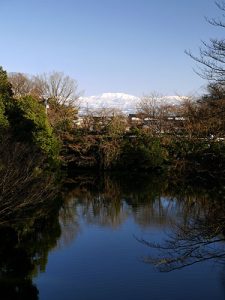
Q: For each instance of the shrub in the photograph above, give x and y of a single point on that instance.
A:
(142, 152)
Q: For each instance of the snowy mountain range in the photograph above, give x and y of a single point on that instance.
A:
(119, 101)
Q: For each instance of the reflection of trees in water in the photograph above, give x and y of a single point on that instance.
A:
(101, 207)
(110, 201)
(158, 212)
(15, 265)
(68, 219)
(195, 216)
(104, 211)
(24, 248)
(104, 207)
(198, 236)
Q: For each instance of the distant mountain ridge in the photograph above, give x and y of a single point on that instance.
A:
(125, 102)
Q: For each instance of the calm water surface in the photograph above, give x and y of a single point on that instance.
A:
(92, 250)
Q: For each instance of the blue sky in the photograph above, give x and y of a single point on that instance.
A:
(131, 46)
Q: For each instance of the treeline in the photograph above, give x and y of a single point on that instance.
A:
(41, 112)
(187, 141)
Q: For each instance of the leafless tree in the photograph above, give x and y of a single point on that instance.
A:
(204, 118)
(61, 95)
(105, 119)
(158, 115)
(58, 87)
(149, 105)
(188, 110)
(22, 85)
(212, 54)
(23, 185)
(53, 86)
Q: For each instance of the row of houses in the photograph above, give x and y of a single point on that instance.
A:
(95, 122)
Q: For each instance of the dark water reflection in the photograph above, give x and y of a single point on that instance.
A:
(24, 247)
(97, 244)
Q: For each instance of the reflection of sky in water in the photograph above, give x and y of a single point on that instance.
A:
(98, 255)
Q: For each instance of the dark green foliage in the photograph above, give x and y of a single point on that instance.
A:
(197, 157)
(24, 248)
(210, 157)
(5, 86)
(29, 123)
(26, 119)
(3, 119)
(5, 96)
(110, 153)
(142, 152)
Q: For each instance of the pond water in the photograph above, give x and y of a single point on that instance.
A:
(96, 246)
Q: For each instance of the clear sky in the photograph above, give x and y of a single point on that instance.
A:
(131, 46)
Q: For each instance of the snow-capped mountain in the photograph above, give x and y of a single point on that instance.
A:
(119, 101)
(124, 102)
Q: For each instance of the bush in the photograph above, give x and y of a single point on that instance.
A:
(142, 152)
(200, 157)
